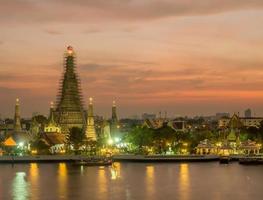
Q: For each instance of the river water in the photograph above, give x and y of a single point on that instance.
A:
(138, 181)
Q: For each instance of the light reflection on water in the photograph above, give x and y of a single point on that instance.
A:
(102, 183)
(62, 180)
(184, 181)
(20, 187)
(115, 171)
(33, 175)
(150, 180)
(133, 181)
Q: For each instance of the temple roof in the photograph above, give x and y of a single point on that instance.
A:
(54, 138)
(9, 142)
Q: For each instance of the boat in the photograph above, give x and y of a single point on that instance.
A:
(103, 162)
(251, 160)
(224, 160)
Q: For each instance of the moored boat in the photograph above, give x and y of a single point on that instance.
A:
(224, 160)
(103, 162)
(253, 160)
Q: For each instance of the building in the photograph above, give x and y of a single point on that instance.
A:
(177, 125)
(248, 113)
(153, 123)
(148, 116)
(52, 135)
(69, 109)
(221, 115)
(90, 125)
(17, 137)
(17, 119)
(52, 126)
(114, 123)
(245, 121)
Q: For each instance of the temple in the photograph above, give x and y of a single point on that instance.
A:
(69, 110)
(17, 120)
(114, 124)
(90, 127)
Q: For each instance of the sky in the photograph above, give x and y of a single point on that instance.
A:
(186, 57)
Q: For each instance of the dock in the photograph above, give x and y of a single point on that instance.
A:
(165, 158)
(42, 158)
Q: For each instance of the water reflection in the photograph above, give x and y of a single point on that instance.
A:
(20, 187)
(33, 173)
(62, 180)
(150, 180)
(102, 183)
(115, 171)
(184, 181)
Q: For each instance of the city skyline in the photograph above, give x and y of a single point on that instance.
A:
(196, 60)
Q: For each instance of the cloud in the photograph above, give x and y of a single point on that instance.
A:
(67, 11)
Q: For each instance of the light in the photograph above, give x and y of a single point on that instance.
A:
(34, 152)
(110, 141)
(21, 144)
(218, 144)
(185, 144)
(90, 100)
(117, 140)
(63, 151)
(70, 50)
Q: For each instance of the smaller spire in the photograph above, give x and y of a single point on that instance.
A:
(70, 50)
(17, 122)
(51, 114)
(90, 128)
(17, 101)
(90, 100)
(51, 104)
(114, 103)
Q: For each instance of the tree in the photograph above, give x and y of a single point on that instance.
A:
(41, 146)
(164, 138)
(76, 138)
(140, 137)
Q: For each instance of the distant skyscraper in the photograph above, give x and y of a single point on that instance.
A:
(90, 129)
(248, 113)
(17, 118)
(69, 110)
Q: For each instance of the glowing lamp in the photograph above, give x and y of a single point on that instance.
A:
(70, 50)
(117, 139)
(21, 144)
(110, 141)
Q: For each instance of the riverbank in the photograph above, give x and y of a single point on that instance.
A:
(165, 158)
(116, 158)
(42, 159)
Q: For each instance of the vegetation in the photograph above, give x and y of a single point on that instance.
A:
(40, 146)
(76, 138)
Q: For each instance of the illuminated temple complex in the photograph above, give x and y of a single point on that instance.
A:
(69, 110)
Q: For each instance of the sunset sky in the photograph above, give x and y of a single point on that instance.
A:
(187, 57)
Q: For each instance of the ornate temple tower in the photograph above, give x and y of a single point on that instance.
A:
(114, 126)
(69, 109)
(90, 126)
(17, 119)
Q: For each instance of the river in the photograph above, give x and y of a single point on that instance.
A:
(131, 181)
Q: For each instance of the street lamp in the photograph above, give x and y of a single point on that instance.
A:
(110, 141)
(21, 144)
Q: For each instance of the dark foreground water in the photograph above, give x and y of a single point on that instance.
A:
(210, 181)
